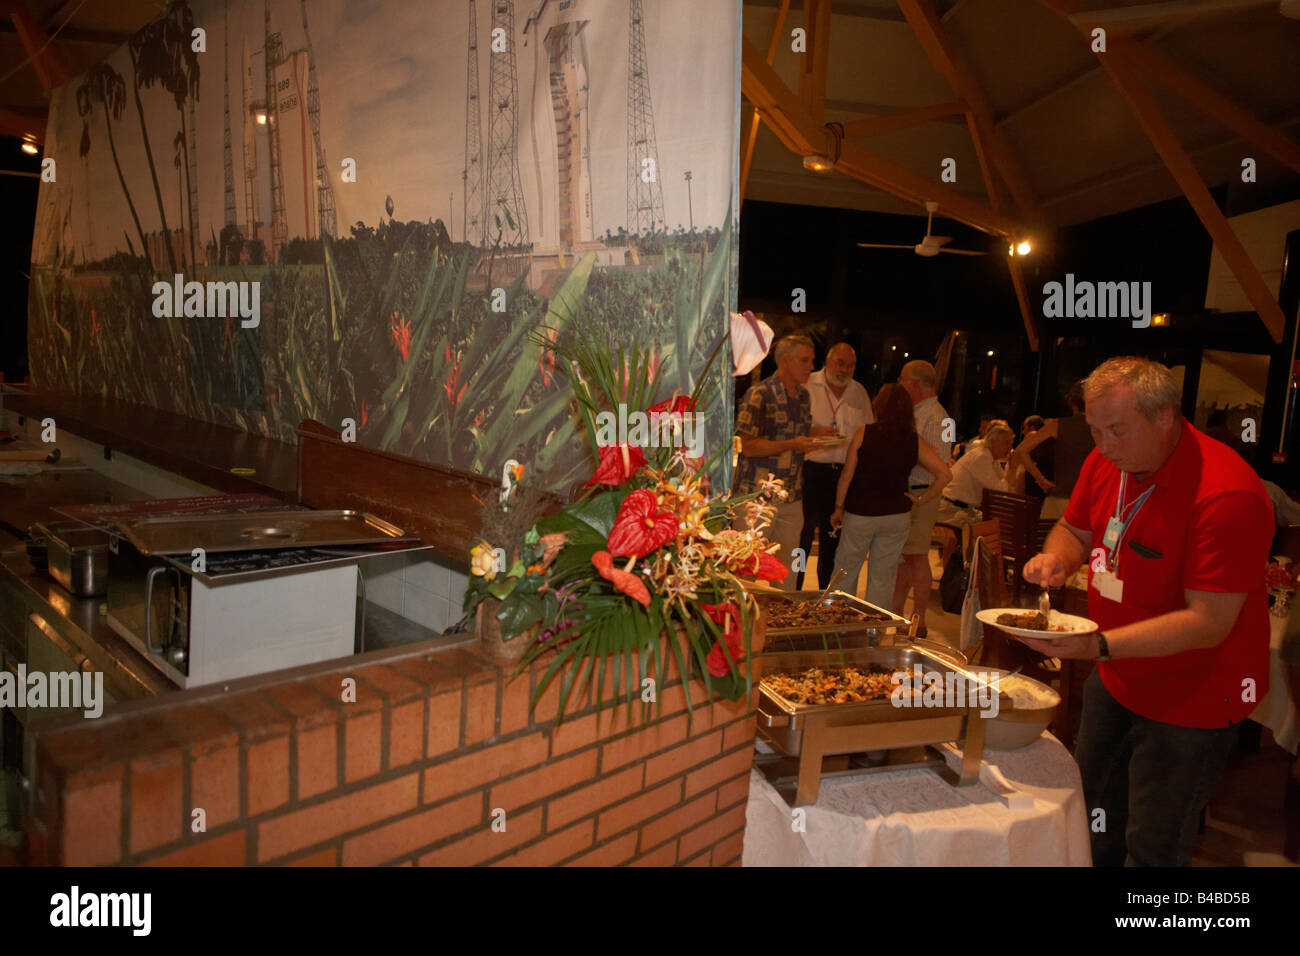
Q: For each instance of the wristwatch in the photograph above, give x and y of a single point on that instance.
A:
(1103, 647)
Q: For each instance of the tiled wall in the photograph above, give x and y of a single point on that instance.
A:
(420, 587)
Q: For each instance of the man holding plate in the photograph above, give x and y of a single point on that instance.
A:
(1175, 529)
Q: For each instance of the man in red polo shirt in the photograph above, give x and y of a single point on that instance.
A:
(1175, 529)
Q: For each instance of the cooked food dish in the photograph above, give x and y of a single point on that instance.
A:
(817, 686)
(811, 614)
(1033, 621)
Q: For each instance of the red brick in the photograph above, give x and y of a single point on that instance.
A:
(683, 818)
(408, 834)
(740, 732)
(701, 859)
(636, 746)
(202, 729)
(91, 745)
(480, 713)
(155, 803)
(301, 828)
(268, 775)
(255, 716)
(485, 843)
(306, 706)
(718, 771)
(225, 850)
(728, 851)
(575, 732)
(326, 857)
(214, 786)
(318, 760)
(444, 724)
(711, 831)
(393, 684)
(406, 733)
(515, 699)
(590, 799)
(733, 791)
(552, 778)
(632, 812)
(666, 855)
(428, 672)
(363, 746)
(611, 854)
(332, 688)
(92, 824)
(468, 663)
(682, 758)
(473, 770)
(554, 848)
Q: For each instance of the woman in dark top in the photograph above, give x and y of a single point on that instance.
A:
(1070, 448)
(872, 504)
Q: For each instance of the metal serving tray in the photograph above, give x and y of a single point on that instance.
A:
(890, 622)
(257, 531)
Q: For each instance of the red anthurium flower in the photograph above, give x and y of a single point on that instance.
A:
(766, 567)
(618, 463)
(680, 403)
(640, 526)
(625, 581)
(728, 615)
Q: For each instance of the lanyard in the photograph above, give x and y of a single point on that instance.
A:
(1125, 522)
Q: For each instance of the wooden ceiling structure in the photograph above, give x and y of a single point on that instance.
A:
(797, 117)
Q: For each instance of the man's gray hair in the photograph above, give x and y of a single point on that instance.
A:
(919, 371)
(787, 343)
(999, 429)
(840, 347)
(1154, 386)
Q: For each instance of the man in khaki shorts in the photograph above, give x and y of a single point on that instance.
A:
(918, 379)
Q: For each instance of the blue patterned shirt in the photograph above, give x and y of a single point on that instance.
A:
(769, 411)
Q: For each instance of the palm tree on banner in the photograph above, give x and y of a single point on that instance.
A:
(104, 86)
(178, 160)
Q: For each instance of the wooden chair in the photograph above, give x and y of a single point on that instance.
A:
(1041, 531)
(1018, 516)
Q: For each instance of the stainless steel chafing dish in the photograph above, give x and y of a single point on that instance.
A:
(876, 622)
(805, 734)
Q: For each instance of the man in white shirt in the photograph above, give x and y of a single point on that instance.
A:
(976, 470)
(918, 378)
(840, 403)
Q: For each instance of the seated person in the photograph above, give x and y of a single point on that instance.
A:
(976, 470)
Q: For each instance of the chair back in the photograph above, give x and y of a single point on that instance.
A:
(1044, 528)
(1018, 517)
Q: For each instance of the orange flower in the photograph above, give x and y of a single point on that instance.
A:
(627, 582)
(547, 362)
(363, 414)
(453, 387)
(401, 332)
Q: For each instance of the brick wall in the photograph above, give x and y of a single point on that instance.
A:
(411, 772)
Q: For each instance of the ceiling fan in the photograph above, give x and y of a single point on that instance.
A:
(930, 245)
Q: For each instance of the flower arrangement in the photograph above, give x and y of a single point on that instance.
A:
(1281, 580)
(645, 552)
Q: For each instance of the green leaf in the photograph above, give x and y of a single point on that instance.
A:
(520, 613)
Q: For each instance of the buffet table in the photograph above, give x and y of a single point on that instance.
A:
(913, 818)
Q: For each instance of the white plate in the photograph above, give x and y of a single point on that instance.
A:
(1078, 626)
(830, 441)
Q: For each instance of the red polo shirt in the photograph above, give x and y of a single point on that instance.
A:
(1207, 526)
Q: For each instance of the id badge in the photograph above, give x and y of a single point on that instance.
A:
(1110, 539)
(1109, 586)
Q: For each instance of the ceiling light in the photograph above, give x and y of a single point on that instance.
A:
(818, 164)
(990, 353)
(29, 147)
(893, 348)
(1024, 248)
(1160, 318)
(904, 355)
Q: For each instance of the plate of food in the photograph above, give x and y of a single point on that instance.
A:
(1023, 623)
(830, 441)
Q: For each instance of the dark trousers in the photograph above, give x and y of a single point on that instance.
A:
(819, 484)
(1152, 780)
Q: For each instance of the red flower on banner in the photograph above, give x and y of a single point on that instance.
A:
(547, 362)
(728, 615)
(363, 414)
(618, 463)
(401, 332)
(453, 387)
(627, 582)
(640, 527)
(766, 567)
(681, 404)
(94, 324)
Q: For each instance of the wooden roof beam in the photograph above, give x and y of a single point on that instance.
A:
(813, 62)
(1123, 71)
(903, 119)
(784, 114)
(1210, 102)
(749, 133)
(22, 123)
(948, 60)
(52, 67)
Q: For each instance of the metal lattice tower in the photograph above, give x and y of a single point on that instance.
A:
(505, 190)
(645, 200)
(250, 151)
(474, 220)
(273, 57)
(324, 188)
(193, 179)
(229, 157)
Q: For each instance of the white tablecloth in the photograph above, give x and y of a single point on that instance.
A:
(1277, 710)
(913, 818)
